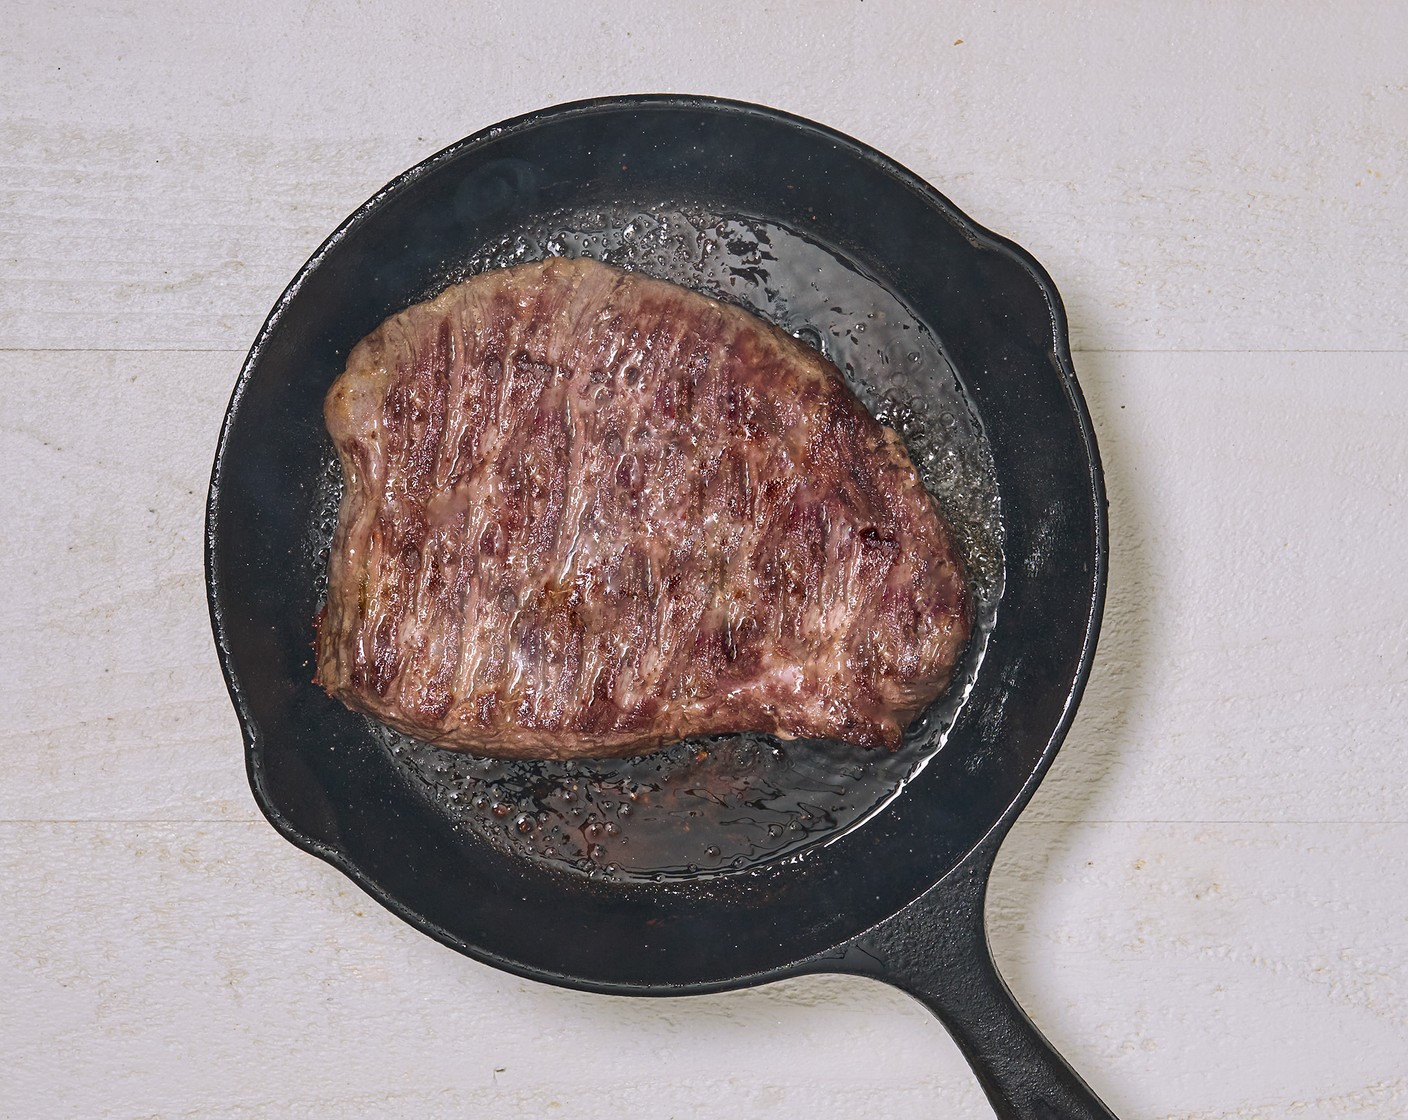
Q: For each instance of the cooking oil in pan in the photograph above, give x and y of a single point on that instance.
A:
(726, 804)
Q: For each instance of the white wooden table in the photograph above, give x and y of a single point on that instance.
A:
(1206, 907)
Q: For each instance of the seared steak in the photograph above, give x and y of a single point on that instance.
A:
(589, 513)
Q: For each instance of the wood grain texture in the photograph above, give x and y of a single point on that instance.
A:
(1253, 663)
(1201, 176)
(180, 970)
(108, 673)
(1205, 907)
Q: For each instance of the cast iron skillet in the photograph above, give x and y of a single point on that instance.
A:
(899, 899)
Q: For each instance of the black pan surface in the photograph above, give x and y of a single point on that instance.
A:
(900, 896)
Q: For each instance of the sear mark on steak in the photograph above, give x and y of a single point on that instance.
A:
(588, 513)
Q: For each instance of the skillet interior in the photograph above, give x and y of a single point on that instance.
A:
(316, 771)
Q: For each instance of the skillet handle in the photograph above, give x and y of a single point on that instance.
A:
(936, 950)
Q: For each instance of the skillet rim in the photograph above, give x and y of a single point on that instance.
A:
(978, 234)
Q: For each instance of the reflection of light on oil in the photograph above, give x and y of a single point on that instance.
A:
(723, 805)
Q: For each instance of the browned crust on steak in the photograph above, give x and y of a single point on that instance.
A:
(587, 513)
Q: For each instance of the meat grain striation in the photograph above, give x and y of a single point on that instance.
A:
(588, 513)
